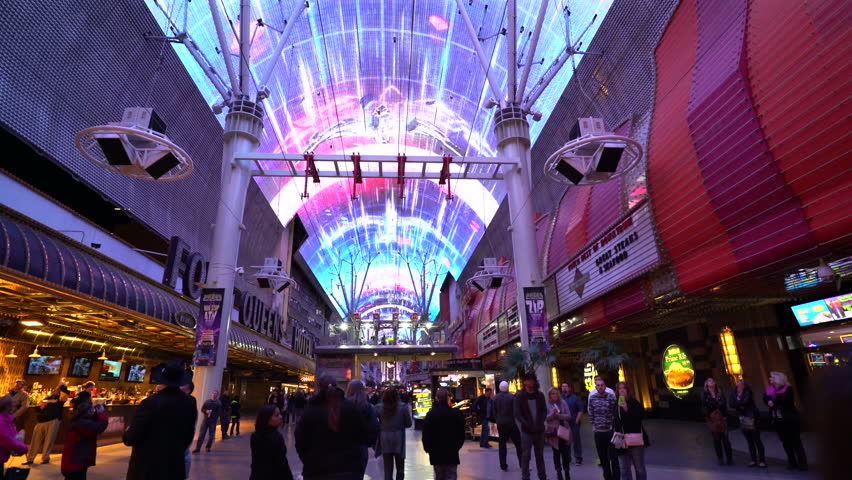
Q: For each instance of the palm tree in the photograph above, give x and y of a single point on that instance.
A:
(518, 361)
(607, 357)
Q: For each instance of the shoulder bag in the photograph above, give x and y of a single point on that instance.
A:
(746, 423)
(716, 422)
(564, 433)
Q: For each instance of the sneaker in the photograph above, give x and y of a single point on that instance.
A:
(752, 465)
(45, 461)
(27, 463)
(762, 465)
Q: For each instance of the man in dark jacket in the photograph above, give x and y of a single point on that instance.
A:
(503, 408)
(443, 436)
(225, 400)
(162, 429)
(482, 407)
(212, 410)
(530, 412)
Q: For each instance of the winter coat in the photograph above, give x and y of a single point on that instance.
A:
(9, 443)
(524, 415)
(160, 433)
(553, 420)
(269, 456)
(443, 434)
(392, 429)
(81, 442)
(710, 402)
(503, 408)
(325, 452)
(631, 420)
(602, 411)
(482, 406)
(784, 403)
(743, 404)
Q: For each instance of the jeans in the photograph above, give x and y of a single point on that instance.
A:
(44, 435)
(485, 435)
(755, 445)
(606, 454)
(633, 456)
(721, 443)
(235, 422)
(576, 444)
(528, 443)
(391, 459)
(789, 432)
(208, 427)
(506, 432)
(226, 420)
(445, 472)
(562, 458)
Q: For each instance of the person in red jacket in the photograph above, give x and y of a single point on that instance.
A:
(81, 446)
(9, 443)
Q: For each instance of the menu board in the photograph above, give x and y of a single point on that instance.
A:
(677, 371)
(422, 402)
(826, 310)
(589, 374)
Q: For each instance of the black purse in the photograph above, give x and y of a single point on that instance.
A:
(16, 473)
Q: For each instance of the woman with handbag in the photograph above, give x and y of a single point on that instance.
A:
(81, 442)
(557, 433)
(742, 402)
(628, 421)
(9, 442)
(715, 408)
(782, 408)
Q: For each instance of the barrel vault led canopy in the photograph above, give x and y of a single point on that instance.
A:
(390, 78)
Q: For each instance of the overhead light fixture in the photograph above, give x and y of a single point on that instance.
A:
(103, 355)
(11, 353)
(35, 353)
(730, 353)
(31, 323)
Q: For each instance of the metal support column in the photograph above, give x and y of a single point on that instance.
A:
(513, 143)
(243, 127)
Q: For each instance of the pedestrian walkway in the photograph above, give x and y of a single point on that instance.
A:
(680, 450)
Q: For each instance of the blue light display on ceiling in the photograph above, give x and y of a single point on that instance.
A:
(383, 77)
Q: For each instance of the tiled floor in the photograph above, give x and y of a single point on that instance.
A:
(680, 450)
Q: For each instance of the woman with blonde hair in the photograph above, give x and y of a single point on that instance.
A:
(558, 415)
(715, 410)
(782, 409)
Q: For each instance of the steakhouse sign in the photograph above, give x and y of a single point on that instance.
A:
(621, 254)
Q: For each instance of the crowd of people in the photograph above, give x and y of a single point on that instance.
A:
(362, 421)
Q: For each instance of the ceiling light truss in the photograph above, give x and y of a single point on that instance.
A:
(390, 167)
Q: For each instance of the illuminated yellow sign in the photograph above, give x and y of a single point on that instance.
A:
(589, 374)
(677, 371)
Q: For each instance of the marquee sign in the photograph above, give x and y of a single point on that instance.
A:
(618, 256)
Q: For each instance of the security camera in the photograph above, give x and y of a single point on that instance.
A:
(240, 271)
(272, 276)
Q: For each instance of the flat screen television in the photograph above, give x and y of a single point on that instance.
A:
(829, 309)
(81, 367)
(44, 365)
(110, 371)
(136, 373)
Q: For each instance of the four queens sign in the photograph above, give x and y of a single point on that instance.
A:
(621, 254)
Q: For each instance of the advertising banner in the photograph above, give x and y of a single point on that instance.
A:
(536, 315)
(624, 252)
(209, 323)
(677, 371)
(422, 402)
(826, 310)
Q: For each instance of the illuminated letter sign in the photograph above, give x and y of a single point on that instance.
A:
(589, 374)
(185, 264)
(677, 371)
(258, 316)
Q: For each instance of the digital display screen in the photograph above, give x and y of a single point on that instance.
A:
(80, 367)
(136, 373)
(375, 77)
(110, 371)
(422, 402)
(44, 365)
(822, 311)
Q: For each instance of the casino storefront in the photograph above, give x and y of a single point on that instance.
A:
(69, 313)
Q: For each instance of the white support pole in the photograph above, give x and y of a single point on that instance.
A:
(282, 42)
(530, 56)
(513, 143)
(548, 77)
(243, 127)
(224, 46)
(495, 89)
(245, 45)
(512, 51)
